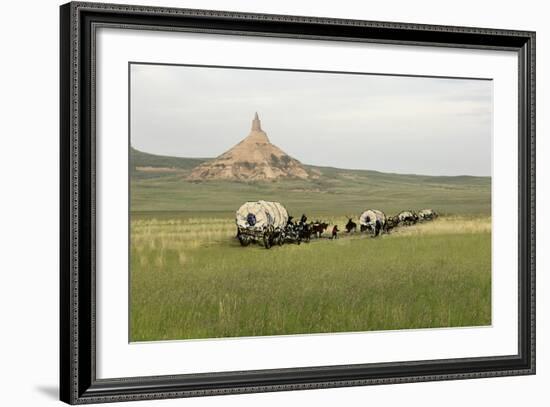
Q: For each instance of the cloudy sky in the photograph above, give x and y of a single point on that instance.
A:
(433, 126)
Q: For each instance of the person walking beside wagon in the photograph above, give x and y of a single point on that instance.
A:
(335, 232)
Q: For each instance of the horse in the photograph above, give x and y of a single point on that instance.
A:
(304, 231)
(391, 222)
(351, 226)
(318, 228)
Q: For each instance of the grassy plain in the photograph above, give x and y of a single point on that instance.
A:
(189, 277)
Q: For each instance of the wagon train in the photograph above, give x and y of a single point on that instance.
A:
(268, 223)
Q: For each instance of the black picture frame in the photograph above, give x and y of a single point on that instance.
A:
(78, 382)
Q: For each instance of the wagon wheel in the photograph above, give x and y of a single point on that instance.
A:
(244, 240)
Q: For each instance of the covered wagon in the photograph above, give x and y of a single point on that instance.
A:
(373, 221)
(407, 218)
(427, 214)
(261, 222)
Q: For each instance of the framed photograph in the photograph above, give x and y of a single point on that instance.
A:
(255, 203)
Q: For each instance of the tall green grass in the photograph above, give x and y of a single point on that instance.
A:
(191, 279)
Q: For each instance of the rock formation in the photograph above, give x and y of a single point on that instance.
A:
(253, 159)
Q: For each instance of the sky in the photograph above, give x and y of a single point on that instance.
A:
(398, 124)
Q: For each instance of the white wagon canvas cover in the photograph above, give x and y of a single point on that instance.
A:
(427, 214)
(369, 217)
(264, 213)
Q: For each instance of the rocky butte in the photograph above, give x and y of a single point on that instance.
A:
(253, 159)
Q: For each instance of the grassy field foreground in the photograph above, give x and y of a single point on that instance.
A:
(191, 279)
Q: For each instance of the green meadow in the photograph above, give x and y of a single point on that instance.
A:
(190, 278)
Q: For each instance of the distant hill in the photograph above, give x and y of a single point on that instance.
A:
(161, 183)
(145, 165)
(159, 165)
(255, 158)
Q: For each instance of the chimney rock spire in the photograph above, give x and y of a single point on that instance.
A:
(256, 124)
(252, 159)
